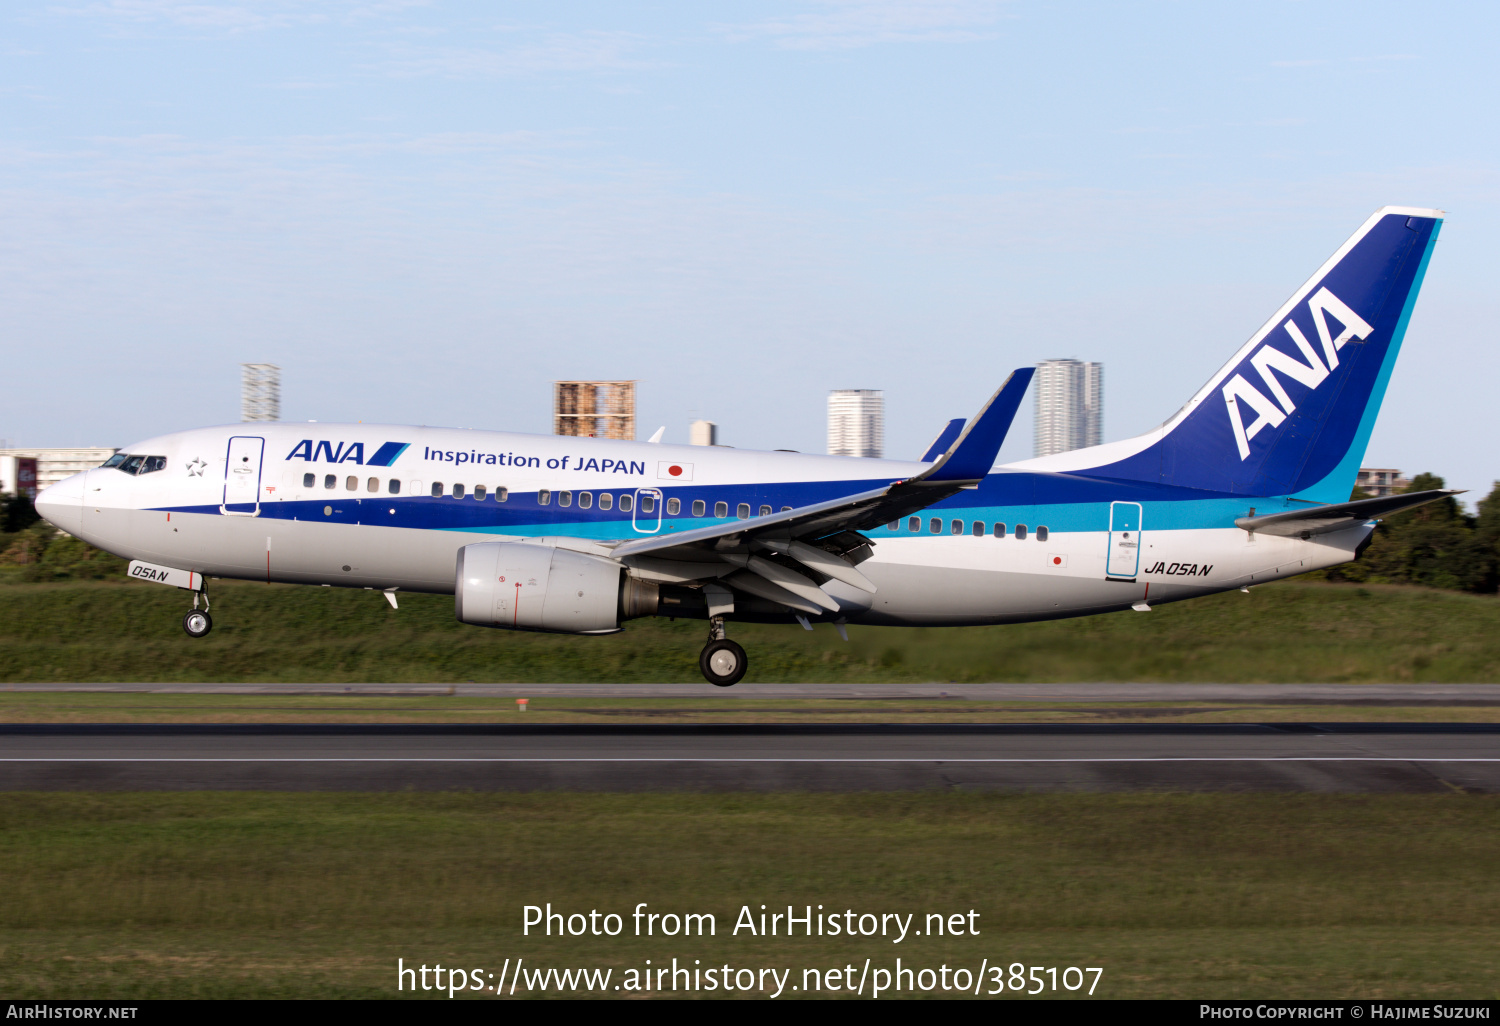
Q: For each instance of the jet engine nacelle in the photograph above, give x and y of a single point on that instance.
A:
(525, 586)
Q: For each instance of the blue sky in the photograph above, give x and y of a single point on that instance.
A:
(426, 211)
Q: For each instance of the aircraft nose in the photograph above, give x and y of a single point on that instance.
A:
(61, 504)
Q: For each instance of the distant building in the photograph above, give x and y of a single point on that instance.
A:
(856, 422)
(1069, 405)
(18, 476)
(260, 391)
(1380, 482)
(52, 465)
(703, 432)
(594, 409)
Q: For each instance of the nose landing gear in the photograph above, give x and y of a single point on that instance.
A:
(722, 661)
(197, 622)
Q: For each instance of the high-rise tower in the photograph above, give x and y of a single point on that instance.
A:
(260, 391)
(856, 422)
(1069, 405)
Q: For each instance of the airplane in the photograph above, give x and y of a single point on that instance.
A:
(1249, 482)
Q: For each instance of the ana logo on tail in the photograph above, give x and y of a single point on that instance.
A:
(1313, 373)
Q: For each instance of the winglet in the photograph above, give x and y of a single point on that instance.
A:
(943, 440)
(973, 454)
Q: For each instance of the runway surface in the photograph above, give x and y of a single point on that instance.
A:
(1357, 757)
(1340, 694)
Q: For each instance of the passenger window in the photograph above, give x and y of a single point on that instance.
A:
(999, 530)
(674, 507)
(978, 530)
(372, 485)
(936, 526)
(153, 464)
(700, 508)
(437, 489)
(501, 494)
(894, 525)
(351, 483)
(480, 491)
(914, 524)
(585, 500)
(458, 491)
(957, 527)
(1020, 532)
(544, 497)
(648, 504)
(765, 511)
(394, 487)
(330, 481)
(565, 498)
(626, 502)
(742, 511)
(721, 509)
(1041, 534)
(786, 509)
(606, 500)
(309, 480)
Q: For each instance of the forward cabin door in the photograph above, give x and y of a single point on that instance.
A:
(1124, 540)
(242, 476)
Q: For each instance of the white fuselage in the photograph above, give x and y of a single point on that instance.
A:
(313, 504)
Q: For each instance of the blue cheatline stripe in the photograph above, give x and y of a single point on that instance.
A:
(514, 518)
(1335, 487)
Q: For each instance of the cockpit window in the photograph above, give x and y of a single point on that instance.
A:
(125, 462)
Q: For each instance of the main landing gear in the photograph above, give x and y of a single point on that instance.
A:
(722, 661)
(197, 622)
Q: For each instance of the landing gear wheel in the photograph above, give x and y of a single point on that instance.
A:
(197, 623)
(723, 663)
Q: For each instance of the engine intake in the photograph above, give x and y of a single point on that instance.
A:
(523, 586)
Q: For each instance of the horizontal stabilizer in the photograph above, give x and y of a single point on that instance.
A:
(1324, 519)
(945, 438)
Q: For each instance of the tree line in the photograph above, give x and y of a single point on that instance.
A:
(1438, 545)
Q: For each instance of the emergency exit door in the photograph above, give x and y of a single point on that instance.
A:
(1124, 540)
(242, 476)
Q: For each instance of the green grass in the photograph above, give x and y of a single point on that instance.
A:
(1293, 632)
(135, 707)
(315, 895)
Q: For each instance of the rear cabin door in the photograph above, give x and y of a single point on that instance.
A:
(242, 476)
(1124, 540)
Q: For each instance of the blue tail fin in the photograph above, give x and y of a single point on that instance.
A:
(1291, 413)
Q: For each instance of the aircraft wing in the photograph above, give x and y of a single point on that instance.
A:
(788, 555)
(1336, 517)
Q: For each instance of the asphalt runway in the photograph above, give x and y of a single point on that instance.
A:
(1284, 757)
(1325, 694)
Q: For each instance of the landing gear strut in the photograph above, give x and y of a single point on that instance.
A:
(197, 622)
(722, 661)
